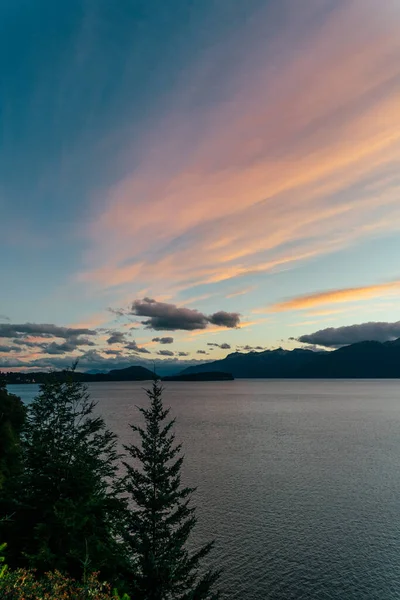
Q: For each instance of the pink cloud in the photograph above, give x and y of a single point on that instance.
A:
(299, 159)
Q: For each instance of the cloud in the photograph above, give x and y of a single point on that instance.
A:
(163, 340)
(201, 352)
(241, 292)
(68, 346)
(117, 337)
(42, 330)
(337, 296)
(335, 337)
(40, 337)
(135, 348)
(118, 312)
(295, 155)
(4, 318)
(225, 319)
(165, 353)
(248, 348)
(223, 346)
(163, 316)
(183, 353)
(7, 349)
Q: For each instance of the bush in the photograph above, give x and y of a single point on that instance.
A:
(22, 584)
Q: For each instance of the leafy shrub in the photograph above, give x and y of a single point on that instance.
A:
(22, 584)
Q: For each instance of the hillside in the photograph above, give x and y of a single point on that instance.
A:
(270, 363)
(361, 360)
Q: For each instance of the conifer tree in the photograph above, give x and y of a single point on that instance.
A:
(66, 506)
(161, 519)
(12, 419)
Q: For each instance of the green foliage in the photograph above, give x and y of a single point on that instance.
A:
(66, 508)
(23, 584)
(12, 419)
(162, 519)
(3, 567)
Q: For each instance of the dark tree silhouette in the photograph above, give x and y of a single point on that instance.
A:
(162, 519)
(12, 419)
(66, 507)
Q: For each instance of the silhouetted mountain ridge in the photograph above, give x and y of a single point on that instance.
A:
(367, 359)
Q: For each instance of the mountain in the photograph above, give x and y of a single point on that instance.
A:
(361, 360)
(129, 374)
(270, 363)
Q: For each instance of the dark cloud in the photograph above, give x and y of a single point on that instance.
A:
(163, 340)
(4, 318)
(335, 337)
(223, 346)
(168, 316)
(201, 352)
(225, 319)
(117, 337)
(135, 348)
(67, 346)
(112, 352)
(118, 312)
(71, 344)
(163, 316)
(22, 342)
(7, 349)
(165, 353)
(183, 353)
(41, 330)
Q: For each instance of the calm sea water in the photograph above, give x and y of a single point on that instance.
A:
(298, 481)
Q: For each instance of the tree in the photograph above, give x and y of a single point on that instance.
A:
(12, 419)
(66, 506)
(161, 519)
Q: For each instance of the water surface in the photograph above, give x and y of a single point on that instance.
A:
(298, 481)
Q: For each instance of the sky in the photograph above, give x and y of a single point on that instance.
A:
(180, 180)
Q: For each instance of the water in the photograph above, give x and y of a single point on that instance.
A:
(298, 481)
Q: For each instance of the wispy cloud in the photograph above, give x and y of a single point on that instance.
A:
(337, 297)
(241, 292)
(300, 161)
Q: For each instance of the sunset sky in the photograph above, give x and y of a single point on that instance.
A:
(184, 175)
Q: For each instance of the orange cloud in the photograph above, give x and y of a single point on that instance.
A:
(337, 296)
(327, 312)
(242, 292)
(301, 160)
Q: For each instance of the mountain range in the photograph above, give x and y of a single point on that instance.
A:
(360, 360)
(372, 360)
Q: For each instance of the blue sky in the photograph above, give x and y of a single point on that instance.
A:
(233, 156)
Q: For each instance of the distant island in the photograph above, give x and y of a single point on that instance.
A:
(204, 376)
(134, 373)
(364, 360)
